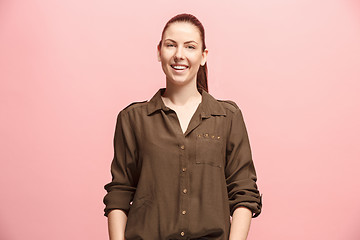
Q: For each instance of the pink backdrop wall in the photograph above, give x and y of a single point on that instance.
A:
(68, 67)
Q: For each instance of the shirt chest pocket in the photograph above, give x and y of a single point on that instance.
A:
(209, 150)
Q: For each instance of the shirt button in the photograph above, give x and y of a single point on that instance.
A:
(206, 134)
(184, 190)
(182, 147)
(182, 233)
(183, 212)
(184, 169)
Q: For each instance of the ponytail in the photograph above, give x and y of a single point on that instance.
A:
(201, 79)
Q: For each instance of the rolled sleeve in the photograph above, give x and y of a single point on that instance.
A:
(121, 189)
(240, 171)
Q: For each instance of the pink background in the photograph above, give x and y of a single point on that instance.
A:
(68, 67)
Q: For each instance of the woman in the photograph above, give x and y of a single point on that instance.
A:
(182, 161)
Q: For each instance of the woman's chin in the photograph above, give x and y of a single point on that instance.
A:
(179, 81)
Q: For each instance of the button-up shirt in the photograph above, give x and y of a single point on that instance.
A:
(175, 185)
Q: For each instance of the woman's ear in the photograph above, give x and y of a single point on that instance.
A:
(204, 56)
(158, 53)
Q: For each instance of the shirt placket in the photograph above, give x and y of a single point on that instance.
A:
(185, 147)
(184, 189)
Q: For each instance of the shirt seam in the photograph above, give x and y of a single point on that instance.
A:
(135, 106)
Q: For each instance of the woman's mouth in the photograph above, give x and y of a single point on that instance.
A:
(179, 68)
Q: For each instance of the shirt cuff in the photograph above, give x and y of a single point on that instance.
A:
(117, 200)
(255, 206)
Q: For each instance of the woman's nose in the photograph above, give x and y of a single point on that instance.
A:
(179, 53)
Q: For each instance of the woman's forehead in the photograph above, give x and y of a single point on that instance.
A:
(181, 31)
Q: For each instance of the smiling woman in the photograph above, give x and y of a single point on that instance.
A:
(182, 161)
(181, 53)
(183, 38)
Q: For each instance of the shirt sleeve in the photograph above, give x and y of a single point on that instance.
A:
(239, 170)
(121, 189)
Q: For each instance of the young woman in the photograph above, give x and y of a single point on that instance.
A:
(182, 162)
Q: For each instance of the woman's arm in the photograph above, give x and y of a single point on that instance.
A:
(116, 224)
(240, 223)
(121, 189)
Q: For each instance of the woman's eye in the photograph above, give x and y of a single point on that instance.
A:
(169, 45)
(192, 47)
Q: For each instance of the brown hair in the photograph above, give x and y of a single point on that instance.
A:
(201, 79)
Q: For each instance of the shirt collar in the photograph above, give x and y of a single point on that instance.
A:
(209, 105)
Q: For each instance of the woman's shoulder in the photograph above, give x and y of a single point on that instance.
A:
(229, 105)
(133, 106)
(232, 109)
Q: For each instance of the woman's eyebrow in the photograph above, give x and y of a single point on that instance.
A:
(168, 39)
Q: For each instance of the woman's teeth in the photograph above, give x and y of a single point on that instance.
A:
(179, 67)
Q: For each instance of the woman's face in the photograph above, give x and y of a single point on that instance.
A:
(181, 53)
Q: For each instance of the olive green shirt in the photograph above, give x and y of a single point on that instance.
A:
(175, 185)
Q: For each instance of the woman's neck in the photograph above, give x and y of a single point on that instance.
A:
(182, 95)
